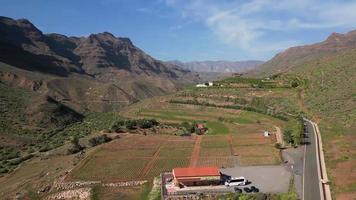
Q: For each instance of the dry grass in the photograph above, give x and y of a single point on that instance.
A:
(212, 152)
(112, 169)
(227, 161)
(166, 164)
(173, 152)
(251, 139)
(259, 160)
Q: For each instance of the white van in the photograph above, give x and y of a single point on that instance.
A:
(236, 181)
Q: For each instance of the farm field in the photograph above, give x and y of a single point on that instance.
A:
(138, 157)
(234, 137)
(217, 120)
(135, 157)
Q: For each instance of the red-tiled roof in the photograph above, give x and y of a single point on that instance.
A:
(200, 126)
(195, 172)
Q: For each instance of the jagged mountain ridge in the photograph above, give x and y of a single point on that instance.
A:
(109, 61)
(219, 66)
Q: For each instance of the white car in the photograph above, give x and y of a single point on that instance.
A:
(236, 181)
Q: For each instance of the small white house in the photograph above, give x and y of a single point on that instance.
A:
(201, 85)
(266, 134)
(210, 83)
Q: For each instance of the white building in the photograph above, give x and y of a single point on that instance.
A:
(266, 134)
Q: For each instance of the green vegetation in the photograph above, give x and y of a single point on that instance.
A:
(101, 139)
(42, 140)
(75, 146)
(95, 193)
(293, 131)
(132, 124)
(216, 127)
(236, 107)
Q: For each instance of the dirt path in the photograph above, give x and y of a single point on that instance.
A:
(149, 165)
(196, 150)
(279, 136)
(229, 138)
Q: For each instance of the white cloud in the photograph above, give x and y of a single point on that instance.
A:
(246, 25)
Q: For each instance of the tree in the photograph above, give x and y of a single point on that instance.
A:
(99, 140)
(294, 83)
(288, 136)
(131, 124)
(75, 147)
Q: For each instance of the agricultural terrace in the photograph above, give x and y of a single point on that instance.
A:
(219, 121)
(243, 102)
(138, 157)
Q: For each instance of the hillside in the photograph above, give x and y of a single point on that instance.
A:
(219, 66)
(113, 63)
(54, 87)
(326, 75)
(296, 56)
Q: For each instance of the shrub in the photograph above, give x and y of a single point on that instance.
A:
(44, 148)
(3, 170)
(76, 147)
(287, 136)
(131, 124)
(119, 126)
(99, 140)
(278, 146)
(147, 123)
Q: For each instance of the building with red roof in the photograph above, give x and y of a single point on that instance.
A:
(196, 176)
(200, 128)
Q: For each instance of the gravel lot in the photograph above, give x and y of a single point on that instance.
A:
(269, 179)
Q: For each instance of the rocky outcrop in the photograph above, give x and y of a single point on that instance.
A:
(20, 81)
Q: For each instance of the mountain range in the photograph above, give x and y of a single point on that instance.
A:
(99, 72)
(219, 66)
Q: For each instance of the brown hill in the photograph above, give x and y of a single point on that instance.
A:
(71, 68)
(295, 56)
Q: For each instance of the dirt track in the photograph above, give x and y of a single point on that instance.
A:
(196, 151)
(149, 165)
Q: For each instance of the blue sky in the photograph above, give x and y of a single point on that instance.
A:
(194, 29)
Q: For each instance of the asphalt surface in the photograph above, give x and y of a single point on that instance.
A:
(311, 178)
(294, 162)
(269, 179)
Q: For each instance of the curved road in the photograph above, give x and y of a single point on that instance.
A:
(311, 178)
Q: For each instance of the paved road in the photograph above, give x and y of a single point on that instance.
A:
(311, 179)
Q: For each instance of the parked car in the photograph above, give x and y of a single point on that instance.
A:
(247, 190)
(238, 190)
(236, 181)
(254, 189)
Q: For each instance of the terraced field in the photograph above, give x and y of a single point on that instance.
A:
(135, 157)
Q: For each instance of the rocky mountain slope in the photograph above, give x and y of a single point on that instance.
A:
(99, 69)
(295, 56)
(219, 66)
